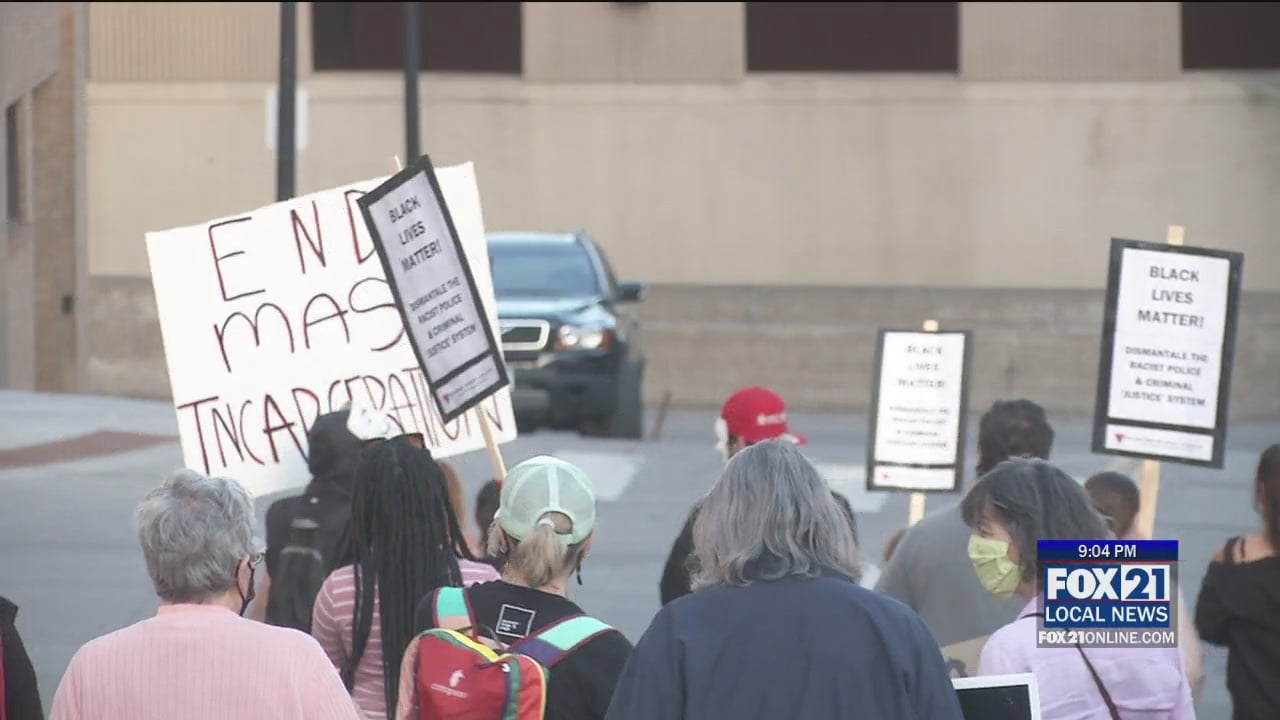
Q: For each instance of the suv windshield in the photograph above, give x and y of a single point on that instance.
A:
(528, 269)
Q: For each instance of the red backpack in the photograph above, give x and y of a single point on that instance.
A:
(451, 673)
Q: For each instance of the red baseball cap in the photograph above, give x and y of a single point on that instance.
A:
(756, 414)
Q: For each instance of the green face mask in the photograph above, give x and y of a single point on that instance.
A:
(997, 573)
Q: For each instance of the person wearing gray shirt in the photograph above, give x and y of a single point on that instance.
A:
(930, 570)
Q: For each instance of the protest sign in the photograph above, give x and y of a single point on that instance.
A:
(426, 266)
(919, 401)
(999, 697)
(275, 316)
(1168, 342)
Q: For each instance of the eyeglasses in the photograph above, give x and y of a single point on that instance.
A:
(415, 439)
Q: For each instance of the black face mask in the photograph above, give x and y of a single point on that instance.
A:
(245, 599)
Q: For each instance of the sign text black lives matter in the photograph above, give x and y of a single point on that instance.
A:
(1168, 342)
(434, 289)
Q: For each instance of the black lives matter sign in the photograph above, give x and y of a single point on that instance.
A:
(1167, 348)
(918, 406)
(434, 289)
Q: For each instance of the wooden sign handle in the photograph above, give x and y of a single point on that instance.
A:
(916, 510)
(1151, 468)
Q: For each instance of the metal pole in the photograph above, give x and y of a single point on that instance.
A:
(285, 101)
(412, 26)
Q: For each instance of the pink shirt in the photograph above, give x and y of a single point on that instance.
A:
(1145, 684)
(331, 625)
(200, 662)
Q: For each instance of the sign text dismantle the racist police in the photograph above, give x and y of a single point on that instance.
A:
(1167, 349)
(434, 289)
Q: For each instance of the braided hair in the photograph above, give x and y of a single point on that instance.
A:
(406, 542)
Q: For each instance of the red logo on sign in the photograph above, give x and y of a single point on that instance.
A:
(1119, 437)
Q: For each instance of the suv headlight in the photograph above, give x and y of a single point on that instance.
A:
(575, 337)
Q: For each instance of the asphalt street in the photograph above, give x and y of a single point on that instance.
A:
(70, 560)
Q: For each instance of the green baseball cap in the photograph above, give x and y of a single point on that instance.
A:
(542, 485)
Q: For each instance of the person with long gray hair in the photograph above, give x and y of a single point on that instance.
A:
(1012, 508)
(777, 625)
(199, 657)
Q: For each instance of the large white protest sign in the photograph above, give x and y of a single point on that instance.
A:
(276, 316)
(414, 234)
(1168, 342)
(919, 402)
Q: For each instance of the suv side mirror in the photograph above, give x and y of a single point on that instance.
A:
(631, 292)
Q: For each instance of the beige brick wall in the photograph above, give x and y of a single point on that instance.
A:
(813, 345)
(1070, 41)
(30, 44)
(59, 206)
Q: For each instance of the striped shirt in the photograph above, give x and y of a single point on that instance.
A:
(331, 624)
(201, 662)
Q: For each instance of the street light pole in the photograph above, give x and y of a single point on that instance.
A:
(412, 23)
(286, 102)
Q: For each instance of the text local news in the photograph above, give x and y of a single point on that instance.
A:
(1108, 593)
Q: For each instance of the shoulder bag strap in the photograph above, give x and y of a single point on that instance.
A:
(556, 641)
(1102, 689)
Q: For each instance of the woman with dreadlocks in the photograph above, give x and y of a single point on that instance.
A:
(407, 542)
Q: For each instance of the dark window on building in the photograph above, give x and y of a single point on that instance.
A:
(853, 36)
(1231, 36)
(12, 165)
(483, 37)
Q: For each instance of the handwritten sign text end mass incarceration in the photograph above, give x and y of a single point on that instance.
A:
(274, 317)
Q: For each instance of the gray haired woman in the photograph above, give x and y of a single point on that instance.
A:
(198, 657)
(1011, 509)
(777, 625)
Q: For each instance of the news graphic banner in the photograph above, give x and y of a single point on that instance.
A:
(273, 317)
(1108, 593)
(431, 280)
(919, 400)
(1168, 343)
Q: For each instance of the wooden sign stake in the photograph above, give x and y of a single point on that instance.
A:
(495, 453)
(1151, 468)
(916, 510)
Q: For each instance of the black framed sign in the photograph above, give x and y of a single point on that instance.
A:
(434, 289)
(999, 697)
(1168, 343)
(919, 405)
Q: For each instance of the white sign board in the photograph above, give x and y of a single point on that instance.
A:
(409, 222)
(273, 317)
(999, 697)
(919, 403)
(1168, 340)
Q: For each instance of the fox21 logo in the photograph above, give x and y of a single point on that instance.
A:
(1101, 583)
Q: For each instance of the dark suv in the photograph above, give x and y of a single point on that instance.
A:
(570, 341)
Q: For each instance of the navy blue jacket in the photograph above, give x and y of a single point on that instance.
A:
(794, 648)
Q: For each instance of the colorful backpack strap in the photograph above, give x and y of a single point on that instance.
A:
(452, 611)
(554, 642)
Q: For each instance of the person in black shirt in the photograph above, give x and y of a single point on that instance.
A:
(21, 694)
(542, 533)
(750, 415)
(1237, 606)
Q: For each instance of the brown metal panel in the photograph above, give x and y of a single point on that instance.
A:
(1230, 36)
(853, 36)
(456, 36)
